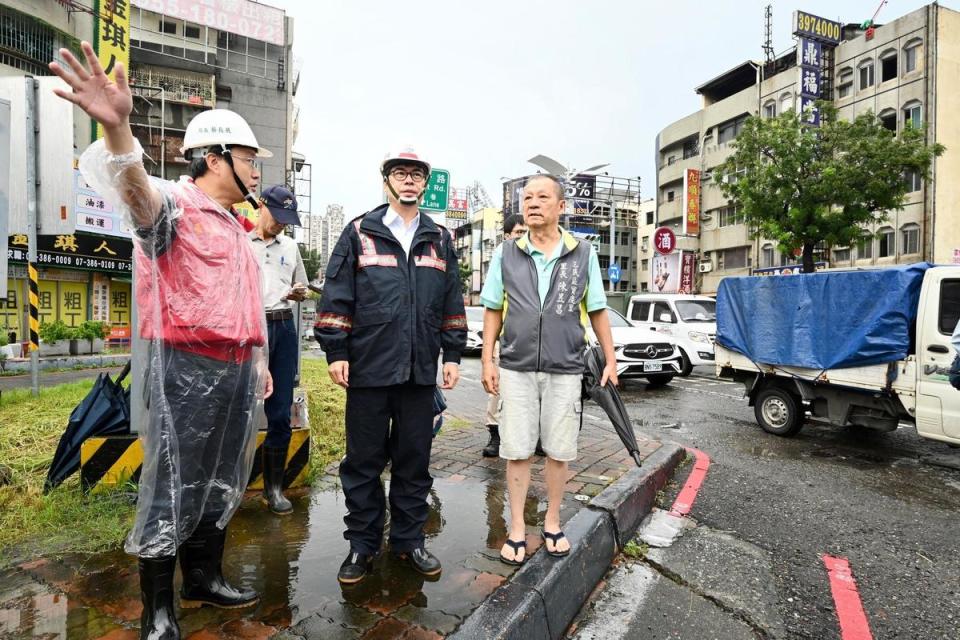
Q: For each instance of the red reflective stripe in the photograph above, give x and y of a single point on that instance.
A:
(454, 322)
(385, 260)
(370, 257)
(334, 320)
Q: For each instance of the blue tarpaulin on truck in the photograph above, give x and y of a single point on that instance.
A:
(824, 320)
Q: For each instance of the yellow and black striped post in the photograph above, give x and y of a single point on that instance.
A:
(34, 308)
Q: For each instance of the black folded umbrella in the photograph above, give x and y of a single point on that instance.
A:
(609, 400)
(104, 411)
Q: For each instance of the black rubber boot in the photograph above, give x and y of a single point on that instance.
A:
(158, 620)
(492, 450)
(274, 460)
(201, 561)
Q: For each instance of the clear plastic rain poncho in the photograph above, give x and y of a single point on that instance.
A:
(199, 343)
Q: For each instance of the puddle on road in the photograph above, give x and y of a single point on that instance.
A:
(291, 561)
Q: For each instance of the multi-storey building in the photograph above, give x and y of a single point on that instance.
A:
(905, 72)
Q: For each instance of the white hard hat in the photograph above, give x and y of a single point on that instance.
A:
(218, 127)
(403, 155)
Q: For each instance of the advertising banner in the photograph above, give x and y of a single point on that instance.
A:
(691, 202)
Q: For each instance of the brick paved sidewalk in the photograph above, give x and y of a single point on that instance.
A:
(293, 560)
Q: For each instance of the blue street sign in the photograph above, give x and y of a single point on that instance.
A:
(613, 273)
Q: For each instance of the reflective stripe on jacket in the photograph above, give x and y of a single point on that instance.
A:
(387, 314)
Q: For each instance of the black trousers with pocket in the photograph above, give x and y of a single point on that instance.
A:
(394, 424)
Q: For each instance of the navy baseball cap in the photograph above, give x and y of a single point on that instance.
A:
(282, 204)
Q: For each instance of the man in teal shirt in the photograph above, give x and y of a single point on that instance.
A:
(540, 291)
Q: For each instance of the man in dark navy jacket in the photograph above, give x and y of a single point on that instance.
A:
(391, 302)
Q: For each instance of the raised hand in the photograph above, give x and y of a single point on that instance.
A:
(104, 100)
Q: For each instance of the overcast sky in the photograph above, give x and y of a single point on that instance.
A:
(481, 87)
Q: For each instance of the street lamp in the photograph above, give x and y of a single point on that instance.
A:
(549, 164)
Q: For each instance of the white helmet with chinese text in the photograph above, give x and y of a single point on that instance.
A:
(216, 131)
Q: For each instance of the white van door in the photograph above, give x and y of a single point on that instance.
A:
(664, 320)
(938, 403)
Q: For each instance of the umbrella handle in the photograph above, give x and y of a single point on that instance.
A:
(123, 373)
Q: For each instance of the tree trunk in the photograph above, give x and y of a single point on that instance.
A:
(808, 265)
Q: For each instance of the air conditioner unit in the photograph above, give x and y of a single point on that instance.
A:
(705, 267)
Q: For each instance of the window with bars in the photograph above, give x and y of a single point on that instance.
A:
(866, 75)
(912, 53)
(767, 255)
(730, 216)
(865, 249)
(887, 243)
(845, 83)
(728, 259)
(910, 238)
(913, 115)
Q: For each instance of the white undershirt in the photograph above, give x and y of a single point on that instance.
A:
(401, 231)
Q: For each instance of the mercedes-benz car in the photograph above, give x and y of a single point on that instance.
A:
(474, 330)
(642, 353)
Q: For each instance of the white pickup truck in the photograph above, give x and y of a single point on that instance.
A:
(913, 390)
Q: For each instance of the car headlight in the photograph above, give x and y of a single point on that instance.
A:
(699, 336)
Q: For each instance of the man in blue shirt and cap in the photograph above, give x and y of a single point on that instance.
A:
(284, 281)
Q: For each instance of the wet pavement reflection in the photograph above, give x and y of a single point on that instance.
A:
(292, 561)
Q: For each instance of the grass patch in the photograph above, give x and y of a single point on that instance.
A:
(67, 520)
(636, 551)
(326, 404)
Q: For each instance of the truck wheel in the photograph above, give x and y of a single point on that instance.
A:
(686, 367)
(659, 380)
(778, 412)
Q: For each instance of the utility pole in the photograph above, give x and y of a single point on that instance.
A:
(31, 172)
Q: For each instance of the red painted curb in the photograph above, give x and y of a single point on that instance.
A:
(853, 620)
(684, 502)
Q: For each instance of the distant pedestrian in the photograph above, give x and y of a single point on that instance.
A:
(513, 229)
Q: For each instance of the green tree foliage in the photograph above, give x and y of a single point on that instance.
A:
(802, 185)
(311, 262)
(465, 275)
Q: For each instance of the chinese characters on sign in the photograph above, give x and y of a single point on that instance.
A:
(686, 272)
(75, 252)
(691, 202)
(664, 241)
(95, 214)
(436, 194)
(113, 37)
(242, 17)
(817, 37)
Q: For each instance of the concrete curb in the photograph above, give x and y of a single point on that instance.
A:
(631, 497)
(542, 598)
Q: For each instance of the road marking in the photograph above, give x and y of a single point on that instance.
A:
(684, 502)
(853, 620)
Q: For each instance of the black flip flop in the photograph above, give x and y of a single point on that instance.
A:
(555, 538)
(516, 546)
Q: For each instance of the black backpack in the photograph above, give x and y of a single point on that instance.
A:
(955, 373)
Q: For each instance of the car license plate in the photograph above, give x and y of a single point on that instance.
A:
(652, 366)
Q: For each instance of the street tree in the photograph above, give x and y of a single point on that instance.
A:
(466, 274)
(804, 186)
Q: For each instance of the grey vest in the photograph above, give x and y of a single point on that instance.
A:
(550, 340)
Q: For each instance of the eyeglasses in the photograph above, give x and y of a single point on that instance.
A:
(250, 161)
(401, 174)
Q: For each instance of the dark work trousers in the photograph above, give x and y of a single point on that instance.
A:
(282, 336)
(199, 428)
(392, 423)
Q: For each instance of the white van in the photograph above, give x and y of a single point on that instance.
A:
(691, 321)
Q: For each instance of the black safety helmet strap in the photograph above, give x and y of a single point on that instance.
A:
(249, 197)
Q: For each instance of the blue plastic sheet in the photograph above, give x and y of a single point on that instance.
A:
(826, 320)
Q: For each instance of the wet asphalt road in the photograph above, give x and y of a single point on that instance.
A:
(769, 509)
(767, 512)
